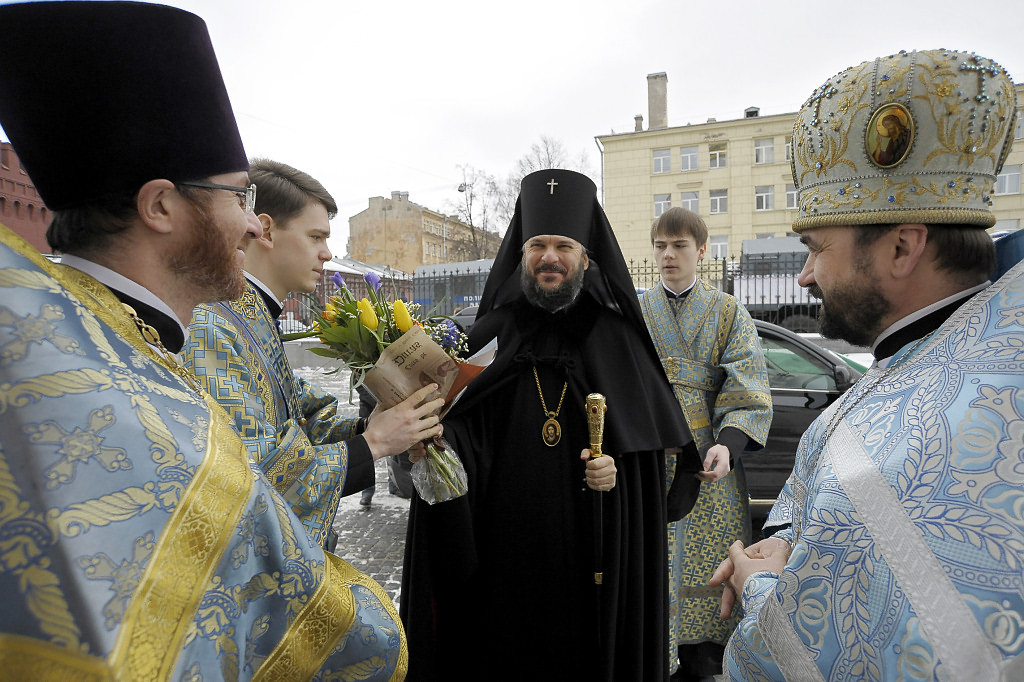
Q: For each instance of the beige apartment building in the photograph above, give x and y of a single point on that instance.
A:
(735, 173)
(405, 235)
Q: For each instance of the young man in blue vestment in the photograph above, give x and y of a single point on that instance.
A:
(708, 345)
(138, 541)
(310, 453)
(899, 537)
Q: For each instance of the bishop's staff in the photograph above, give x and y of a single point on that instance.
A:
(596, 407)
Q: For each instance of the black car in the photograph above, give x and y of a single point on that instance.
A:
(465, 318)
(804, 379)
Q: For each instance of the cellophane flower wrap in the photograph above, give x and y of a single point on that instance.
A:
(393, 354)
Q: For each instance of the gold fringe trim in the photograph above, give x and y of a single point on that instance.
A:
(980, 218)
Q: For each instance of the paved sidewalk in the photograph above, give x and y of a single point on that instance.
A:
(370, 538)
(373, 538)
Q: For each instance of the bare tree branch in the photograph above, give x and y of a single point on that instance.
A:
(489, 202)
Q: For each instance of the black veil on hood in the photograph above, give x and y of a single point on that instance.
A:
(566, 200)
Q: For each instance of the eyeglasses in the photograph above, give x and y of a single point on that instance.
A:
(246, 195)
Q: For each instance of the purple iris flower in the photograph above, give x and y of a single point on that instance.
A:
(450, 334)
(373, 279)
(338, 280)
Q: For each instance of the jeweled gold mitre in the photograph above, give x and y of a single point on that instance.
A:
(915, 137)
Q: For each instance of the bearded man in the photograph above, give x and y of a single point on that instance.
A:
(139, 544)
(310, 453)
(500, 584)
(898, 539)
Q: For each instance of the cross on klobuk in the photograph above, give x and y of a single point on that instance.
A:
(825, 92)
(551, 183)
(981, 70)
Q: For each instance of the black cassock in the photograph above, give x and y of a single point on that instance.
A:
(499, 584)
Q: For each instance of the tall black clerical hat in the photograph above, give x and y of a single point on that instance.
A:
(99, 98)
(563, 202)
(559, 200)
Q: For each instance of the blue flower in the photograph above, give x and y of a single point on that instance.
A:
(373, 279)
(338, 280)
(449, 335)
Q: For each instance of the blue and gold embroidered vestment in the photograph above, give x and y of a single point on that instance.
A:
(907, 510)
(136, 541)
(708, 345)
(309, 453)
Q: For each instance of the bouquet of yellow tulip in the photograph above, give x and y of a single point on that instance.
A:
(393, 354)
(358, 331)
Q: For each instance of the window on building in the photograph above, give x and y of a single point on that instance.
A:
(718, 247)
(789, 148)
(764, 235)
(764, 198)
(1008, 181)
(662, 160)
(717, 155)
(764, 150)
(688, 158)
(719, 201)
(3, 206)
(1019, 131)
(662, 202)
(791, 196)
(690, 201)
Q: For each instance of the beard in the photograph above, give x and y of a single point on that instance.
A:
(206, 261)
(552, 300)
(854, 310)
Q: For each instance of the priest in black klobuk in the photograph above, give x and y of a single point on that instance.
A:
(499, 584)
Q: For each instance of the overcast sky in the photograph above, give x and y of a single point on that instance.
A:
(381, 95)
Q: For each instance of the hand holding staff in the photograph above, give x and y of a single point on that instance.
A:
(601, 471)
(596, 408)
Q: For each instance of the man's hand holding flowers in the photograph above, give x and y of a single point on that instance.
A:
(409, 423)
(392, 352)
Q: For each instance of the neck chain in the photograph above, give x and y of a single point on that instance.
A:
(551, 432)
(841, 414)
(152, 337)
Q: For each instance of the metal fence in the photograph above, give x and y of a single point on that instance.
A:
(766, 284)
(716, 272)
(445, 291)
(297, 315)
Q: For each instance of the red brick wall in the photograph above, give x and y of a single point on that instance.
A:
(21, 208)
